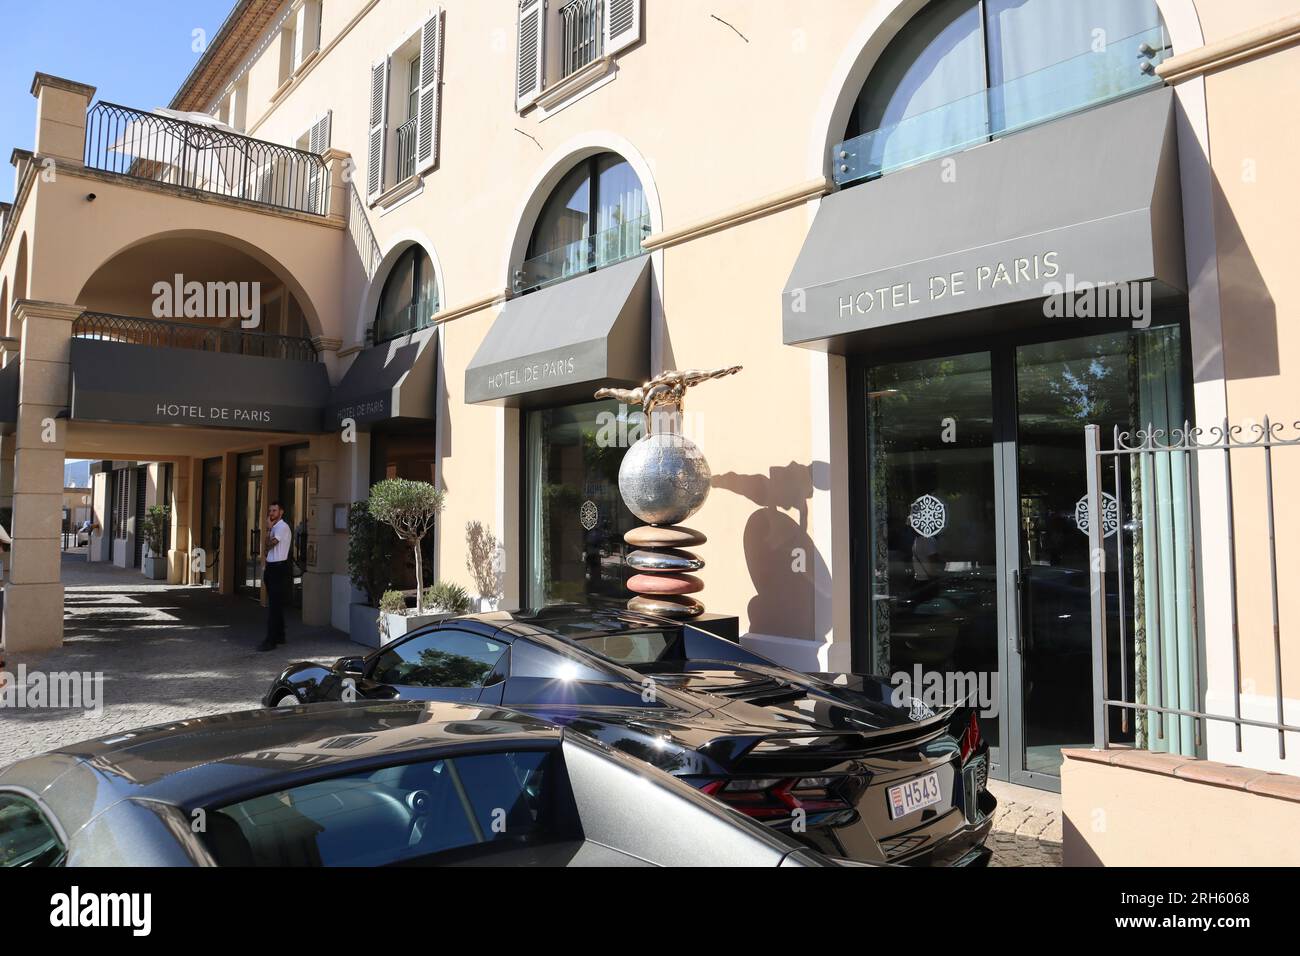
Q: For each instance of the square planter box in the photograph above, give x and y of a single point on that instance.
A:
(398, 625)
(363, 624)
(154, 568)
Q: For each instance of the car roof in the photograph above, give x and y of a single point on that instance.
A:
(191, 761)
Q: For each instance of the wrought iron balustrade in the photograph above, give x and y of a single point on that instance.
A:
(163, 149)
(406, 149)
(583, 33)
(1203, 510)
(105, 327)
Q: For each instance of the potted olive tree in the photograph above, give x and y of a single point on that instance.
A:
(154, 561)
(371, 546)
(410, 509)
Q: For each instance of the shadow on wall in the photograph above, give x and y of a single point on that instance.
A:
(1249, 316)
(783, 562)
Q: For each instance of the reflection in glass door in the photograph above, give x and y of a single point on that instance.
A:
(1127, 379)
(976, 531)
(934, 524)
(575, 516)
(249, 519)
(294, 500)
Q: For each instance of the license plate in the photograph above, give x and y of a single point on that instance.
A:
(905, 798)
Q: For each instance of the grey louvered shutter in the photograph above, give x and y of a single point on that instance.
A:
(622, 24)
(530, 73)
(318, 140)
(426, 140)
(377, 145)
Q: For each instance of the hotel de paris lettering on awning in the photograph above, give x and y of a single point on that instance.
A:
(951, 247)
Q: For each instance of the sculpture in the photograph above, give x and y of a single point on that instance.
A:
(664, 479)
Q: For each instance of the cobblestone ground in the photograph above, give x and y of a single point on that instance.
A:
(1026, 828)
(165, 652)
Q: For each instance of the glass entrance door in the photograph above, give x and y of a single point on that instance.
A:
(1129, 380)
(934, 527)
(976, 531)
(249, 519)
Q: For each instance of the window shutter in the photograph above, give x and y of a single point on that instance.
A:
(376, 148)
(318, 140)
(622, 24)
(531, 55)
(426, 138)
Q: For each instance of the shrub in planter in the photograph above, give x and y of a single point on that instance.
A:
(411, 509)
(448, 597)
(371, 546)
(154, 530)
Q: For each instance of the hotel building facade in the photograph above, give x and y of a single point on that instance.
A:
(384, 238)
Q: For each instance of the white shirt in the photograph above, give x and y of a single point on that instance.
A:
(283, 539)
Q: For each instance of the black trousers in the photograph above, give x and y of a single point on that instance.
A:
(276, 579)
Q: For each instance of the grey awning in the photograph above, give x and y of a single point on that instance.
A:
(146, 385)
(392, 380)
(561, 343)
(1094, 196)
(9, 397)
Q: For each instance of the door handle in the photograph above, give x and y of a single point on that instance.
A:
(1018, 581)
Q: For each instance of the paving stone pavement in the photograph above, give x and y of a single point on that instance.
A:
(1026, 827)
(165, 652)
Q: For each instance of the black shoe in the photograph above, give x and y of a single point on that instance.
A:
(265, 646)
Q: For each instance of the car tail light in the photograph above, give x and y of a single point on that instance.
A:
(970, 740)
(766, 798)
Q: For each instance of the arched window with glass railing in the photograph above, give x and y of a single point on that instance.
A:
(962, 72)
(595, 217)
(409, 298)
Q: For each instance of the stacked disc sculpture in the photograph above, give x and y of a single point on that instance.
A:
(664, 479)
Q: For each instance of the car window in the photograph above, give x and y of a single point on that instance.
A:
(640, 647)
(26, 837)
(403, 814)
(446, 658)
(533, 660)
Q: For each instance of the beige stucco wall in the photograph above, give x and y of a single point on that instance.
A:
(1118, 816)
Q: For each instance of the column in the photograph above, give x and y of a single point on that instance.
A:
(339, 163)
(33, 604)
(178, 548)
(326, 550)
(61, 117)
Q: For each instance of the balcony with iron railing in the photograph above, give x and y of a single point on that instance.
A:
(1121, 68)
(107, 327)
(605, 248)
(582, 34)
(208, 158)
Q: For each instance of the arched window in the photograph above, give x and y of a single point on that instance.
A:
(409, 298)
(595, 217)
(963, 71)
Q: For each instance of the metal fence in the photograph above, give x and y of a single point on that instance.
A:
(1162, 476)
(105, 327)
(163, 149)
(584, 34)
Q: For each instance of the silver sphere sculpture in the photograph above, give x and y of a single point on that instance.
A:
(664, 479)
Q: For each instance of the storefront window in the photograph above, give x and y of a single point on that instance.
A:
(409, 298)
(596, 217)
(963, 71)
(575, 517)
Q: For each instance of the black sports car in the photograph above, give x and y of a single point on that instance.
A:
(380, 784)
(829, 759)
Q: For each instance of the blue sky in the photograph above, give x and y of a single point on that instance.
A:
(135, 52)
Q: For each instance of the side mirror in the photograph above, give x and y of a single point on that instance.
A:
(353, 666)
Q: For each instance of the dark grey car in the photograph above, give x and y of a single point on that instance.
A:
(401, 783)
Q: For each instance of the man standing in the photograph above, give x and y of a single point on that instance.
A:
(276, 576)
